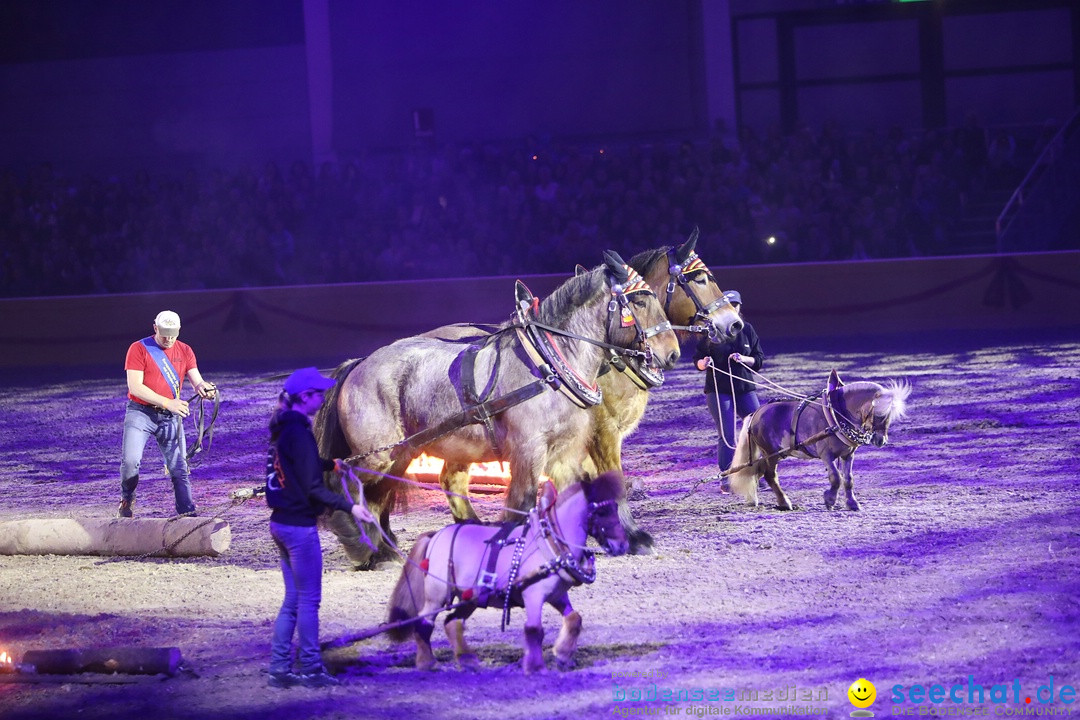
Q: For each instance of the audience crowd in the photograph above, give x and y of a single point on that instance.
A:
(512, 208)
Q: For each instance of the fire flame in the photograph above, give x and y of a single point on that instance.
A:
(7, 662)
(427, 466)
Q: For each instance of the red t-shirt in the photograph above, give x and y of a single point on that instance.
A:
(138, 357)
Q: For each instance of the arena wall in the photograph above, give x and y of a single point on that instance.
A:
(327, 323)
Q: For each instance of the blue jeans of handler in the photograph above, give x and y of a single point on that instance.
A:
(141, 422)
(725, 426)
(301, 566)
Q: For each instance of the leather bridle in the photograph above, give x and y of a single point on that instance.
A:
(680, 273)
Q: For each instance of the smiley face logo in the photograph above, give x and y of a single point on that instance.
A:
(862, 693)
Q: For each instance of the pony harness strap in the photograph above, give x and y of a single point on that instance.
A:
(848, 431)
(164, 365)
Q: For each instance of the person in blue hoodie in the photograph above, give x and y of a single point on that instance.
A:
(297, 496)
(735, 392)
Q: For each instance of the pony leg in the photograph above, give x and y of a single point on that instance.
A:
(782, 500)
(454, 478)
(566, 642)
(455, 633)
(533, 661)
(845, 472)
(425, 658)
(834, 480)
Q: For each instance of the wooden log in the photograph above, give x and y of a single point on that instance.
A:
(115, 536)
(128, 660)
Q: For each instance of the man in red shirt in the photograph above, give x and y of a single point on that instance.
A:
(156, 367)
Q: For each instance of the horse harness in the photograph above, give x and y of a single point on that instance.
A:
(538, 343)
(562, 561)
(552, 368)
(839, 425)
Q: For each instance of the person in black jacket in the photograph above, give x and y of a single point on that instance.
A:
(727, 395)
(297, 496)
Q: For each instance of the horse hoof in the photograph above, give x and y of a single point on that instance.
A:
(567, 664)
(531, 668)
(853, 505)
(469, 661)
(425, 665)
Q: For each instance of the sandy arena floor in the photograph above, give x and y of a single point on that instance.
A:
(962, 569)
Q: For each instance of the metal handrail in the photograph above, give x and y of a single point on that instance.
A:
(1047, 157)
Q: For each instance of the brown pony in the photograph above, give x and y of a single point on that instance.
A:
(830, 426)
(534, 563)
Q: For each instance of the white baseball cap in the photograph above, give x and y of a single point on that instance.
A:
(168, 323)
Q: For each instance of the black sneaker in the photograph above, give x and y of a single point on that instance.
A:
(318, 679)
(124, 511)
(282, 679)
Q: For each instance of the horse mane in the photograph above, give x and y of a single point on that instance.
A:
(576, 292)
(893, 396)
(644, 260)
(897, 393)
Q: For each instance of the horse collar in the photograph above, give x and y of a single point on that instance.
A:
(554, 368)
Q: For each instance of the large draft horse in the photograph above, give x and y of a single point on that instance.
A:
(830, 426)
(468, 566)
(408, 396)
(691, 298)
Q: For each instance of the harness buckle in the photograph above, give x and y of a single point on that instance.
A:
(487, 580)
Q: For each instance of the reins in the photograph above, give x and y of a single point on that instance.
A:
(204, 428)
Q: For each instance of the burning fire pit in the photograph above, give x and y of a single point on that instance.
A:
(488, 477)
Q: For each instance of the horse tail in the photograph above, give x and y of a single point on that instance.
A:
(327, 426)
(408, 596)
(744, 481)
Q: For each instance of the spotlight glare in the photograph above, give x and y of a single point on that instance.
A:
(771, 240)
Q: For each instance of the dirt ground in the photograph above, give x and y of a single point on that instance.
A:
(962, 569)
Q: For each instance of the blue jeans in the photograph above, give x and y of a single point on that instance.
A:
(301, 566)
(141, 422)
(725, 422)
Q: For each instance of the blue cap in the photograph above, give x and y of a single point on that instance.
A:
(308, 378)
(733, 297)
